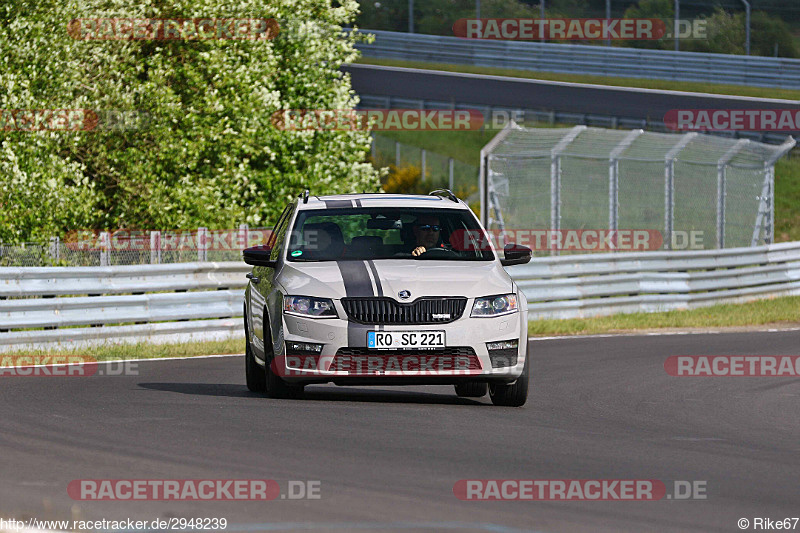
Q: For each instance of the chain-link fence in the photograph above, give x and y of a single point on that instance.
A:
(436, 170)
(697, 191)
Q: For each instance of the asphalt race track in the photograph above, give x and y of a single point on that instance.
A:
(519, 93)
(387, 458)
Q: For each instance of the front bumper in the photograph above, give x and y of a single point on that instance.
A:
(344, 357)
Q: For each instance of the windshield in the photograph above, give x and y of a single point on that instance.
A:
(387, 233)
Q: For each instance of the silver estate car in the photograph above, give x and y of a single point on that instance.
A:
(385, 289)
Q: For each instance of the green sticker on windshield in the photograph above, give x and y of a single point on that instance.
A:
(297, 253)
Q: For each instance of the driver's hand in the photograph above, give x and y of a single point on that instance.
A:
(418, 250)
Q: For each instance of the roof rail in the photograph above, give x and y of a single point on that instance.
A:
(444, 192)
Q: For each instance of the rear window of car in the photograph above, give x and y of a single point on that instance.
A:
(387, 233)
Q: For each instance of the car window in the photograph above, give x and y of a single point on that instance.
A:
(274, 233)
(387, 233)
(278, 236)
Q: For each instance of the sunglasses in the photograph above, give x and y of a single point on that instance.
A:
(429, 227)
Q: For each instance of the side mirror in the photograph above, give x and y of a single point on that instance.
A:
(258, 256)
(516, 254)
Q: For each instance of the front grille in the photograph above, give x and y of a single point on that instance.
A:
(382, 310)
(364, 361)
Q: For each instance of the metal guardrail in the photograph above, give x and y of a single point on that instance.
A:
(153, 303)
(602, 284)
(556, 287)
(585, 59)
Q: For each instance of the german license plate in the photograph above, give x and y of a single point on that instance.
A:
(397, 340)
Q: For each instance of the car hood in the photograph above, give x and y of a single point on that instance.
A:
(419, 277)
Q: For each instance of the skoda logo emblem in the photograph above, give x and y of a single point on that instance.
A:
(404, 295)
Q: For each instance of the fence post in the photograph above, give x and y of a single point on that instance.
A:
(722, 183)
(424, 174)
(371, 149)
(669, 186)
(613, 178)
(202, 244)
(450, 163)
(555, 179)
(55, 248)
(105, 246)
(770, 233)
(397, 154)
(155, 247)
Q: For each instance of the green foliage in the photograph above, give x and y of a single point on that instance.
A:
(404, 180)
(208, 154)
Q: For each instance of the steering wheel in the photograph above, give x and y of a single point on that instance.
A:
(438, 252)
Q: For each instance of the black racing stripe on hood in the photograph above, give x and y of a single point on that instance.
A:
(356, 283)
(335, 204)
(356, 278)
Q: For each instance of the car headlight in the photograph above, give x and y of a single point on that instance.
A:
(502, 304)
(308, 306)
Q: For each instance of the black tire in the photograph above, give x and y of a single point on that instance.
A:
(256, 378)
(275, 386)
(472, 389)
(511, 395)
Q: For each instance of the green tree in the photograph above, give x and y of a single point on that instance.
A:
(208, 153)
(652, 9)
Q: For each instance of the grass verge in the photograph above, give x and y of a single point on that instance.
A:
(773, 312)
(141, 350)
(663, 85)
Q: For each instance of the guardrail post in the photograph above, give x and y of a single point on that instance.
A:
(155, 247)
(55, 248)
(202, 244)
(105, 248)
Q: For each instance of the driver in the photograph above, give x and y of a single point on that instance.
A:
(426, 230)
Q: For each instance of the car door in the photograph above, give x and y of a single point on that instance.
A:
(263, 295)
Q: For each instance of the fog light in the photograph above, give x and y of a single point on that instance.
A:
(298, 348)
(502, 345)
(503, 353)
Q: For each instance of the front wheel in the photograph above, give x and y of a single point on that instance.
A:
(256, 378)
(511, 395)
(276, 387)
